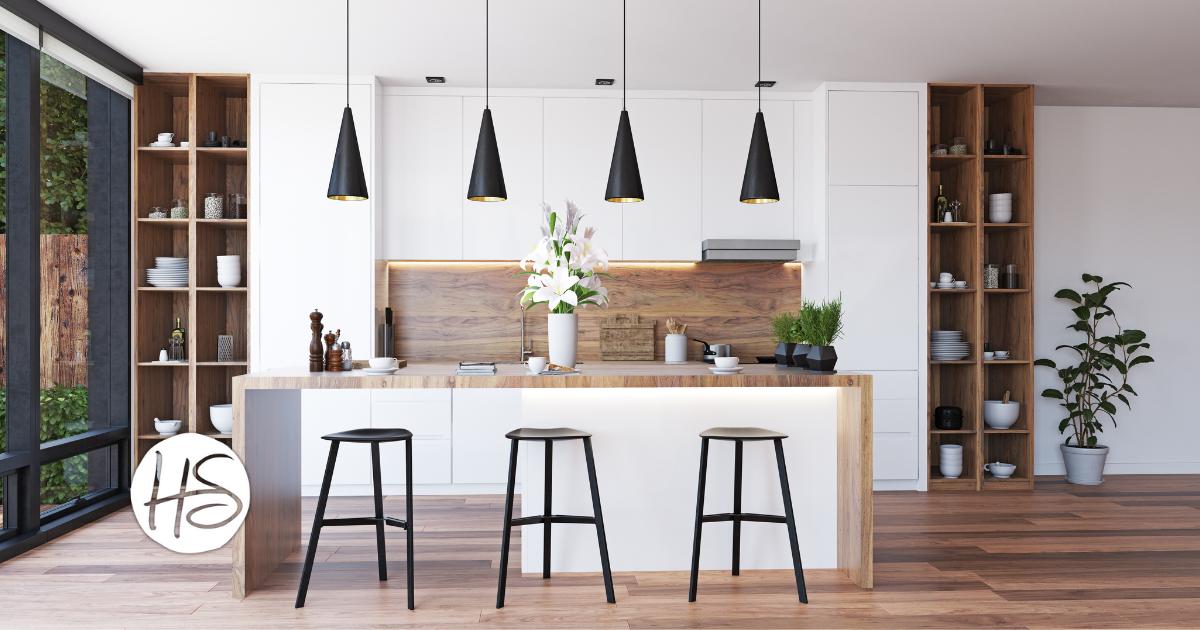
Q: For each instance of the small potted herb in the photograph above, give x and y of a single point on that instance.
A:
(783, 332)
(822, 325)
(800, 354)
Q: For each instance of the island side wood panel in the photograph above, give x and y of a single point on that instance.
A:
(269, 444)
(470, 310)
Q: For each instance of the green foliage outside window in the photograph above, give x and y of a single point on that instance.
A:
(64, 413)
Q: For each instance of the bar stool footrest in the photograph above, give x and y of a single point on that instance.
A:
(742, 516)
(556, 518)
(365, 520)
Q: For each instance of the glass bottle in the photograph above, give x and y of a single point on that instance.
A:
(1009, 278)
(179, 341)
(939, 206)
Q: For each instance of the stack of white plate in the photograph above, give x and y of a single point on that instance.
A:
(945, 285)
(169, 272)
(947, 345)
(1000, 208)
(229, 271)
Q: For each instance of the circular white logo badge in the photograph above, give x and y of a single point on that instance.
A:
(190, 493)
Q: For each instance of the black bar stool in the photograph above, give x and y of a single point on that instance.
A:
(739, 435)
(374, 437)
(549, 436)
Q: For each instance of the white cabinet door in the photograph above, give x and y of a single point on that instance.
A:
(873, 264)
(895, 456)
(873, 139)
(422, 177)
(325, 411)
(424, 412)
(504, 230)
(727, 129)
(579, 137)
(481, 418)
(666, 226)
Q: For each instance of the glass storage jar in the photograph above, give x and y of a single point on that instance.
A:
(237, 206)
(991, 276)
(1009, 278)
(214, 206)
(938, 149)
(158, 213)
(179, 209)
(958, 146)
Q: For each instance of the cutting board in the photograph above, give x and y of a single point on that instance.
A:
(623, 337)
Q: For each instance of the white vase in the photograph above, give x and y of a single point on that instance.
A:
(564, 338)
(1085, 466)
(676, 349)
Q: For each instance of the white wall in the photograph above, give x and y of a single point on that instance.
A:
(1116, 197)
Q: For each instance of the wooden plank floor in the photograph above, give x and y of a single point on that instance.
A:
(1125, 554)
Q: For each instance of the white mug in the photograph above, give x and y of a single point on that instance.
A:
(946, 277)
(537, 364)
(166, 137)
(184, 143)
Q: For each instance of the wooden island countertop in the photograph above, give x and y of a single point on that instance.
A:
(266, 436)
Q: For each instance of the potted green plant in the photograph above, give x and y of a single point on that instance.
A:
(1093, 386)
(822, 325)
(800, 354)
(783, 333)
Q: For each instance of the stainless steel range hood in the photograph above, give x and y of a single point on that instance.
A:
(749, 250)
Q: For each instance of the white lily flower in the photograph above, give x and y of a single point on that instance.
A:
(585, 255)
(556, 287)
(539, 255)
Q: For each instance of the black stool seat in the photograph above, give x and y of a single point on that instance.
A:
(547, 434)
(369, 435)
(742, 433)
(374, 437)
(548, 517)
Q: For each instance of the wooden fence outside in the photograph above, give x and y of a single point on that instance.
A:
(64, 310)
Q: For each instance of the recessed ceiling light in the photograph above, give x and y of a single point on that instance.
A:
(765, 84)
(435, 79)
(605, 81)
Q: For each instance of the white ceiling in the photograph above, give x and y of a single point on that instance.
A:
(1077, 52)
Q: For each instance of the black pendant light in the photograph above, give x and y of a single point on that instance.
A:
(347, 182)
(624, 177)
(758, 185)
(487, 176)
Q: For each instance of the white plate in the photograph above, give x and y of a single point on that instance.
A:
(380, 371)
(733, 370)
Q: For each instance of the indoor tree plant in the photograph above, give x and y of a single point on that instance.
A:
(784, 332)
(822, 325)
(566, 270)
(1090, 388)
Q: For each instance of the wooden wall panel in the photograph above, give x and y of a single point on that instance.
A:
(469, 310)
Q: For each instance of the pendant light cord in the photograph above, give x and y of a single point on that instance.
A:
(624, 73)
(760, 55)
(487, 52)
(347, 53)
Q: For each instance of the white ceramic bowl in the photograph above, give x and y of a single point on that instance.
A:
(167, 427)
(726, 362)
(999, 217)
(381, 363)
(1000, 196)
(951, 470)
(229, 283)
(1000, 470)
(230, 257)
(221, 417)
(998, 415)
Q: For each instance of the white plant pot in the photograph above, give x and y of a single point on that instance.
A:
(1085, 466)
(676, 349)
(564, 338)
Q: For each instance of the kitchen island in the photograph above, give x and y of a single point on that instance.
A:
(645, 417)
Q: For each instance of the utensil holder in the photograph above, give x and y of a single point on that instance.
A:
(676, 349)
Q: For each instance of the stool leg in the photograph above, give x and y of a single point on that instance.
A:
(315, 535)
(591, 466)
(508, 508)
(376, 480)
(737, 506)
(410, 561)
(791, 521)
(547, 510)
(699, 519)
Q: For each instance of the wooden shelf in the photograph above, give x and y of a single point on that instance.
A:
(953, 290)
(1007, 362)
(956, 431)
(943, 162)
(155, 436)
(987, 227)
(190, 106)
(1003, 431)
(943, 227)
(996, 162)
(1006, 290)
(963, 362)
(164, 365)
(219, 436)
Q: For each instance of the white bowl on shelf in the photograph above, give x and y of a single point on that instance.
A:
(167, 427)
(1000, 470)
(229, 283)
(221, 417)
(999, 415)
(999, 217)
(1000, 196)
(951, 470)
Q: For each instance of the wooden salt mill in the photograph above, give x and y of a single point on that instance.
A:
(316, 358)
(335, 358)
(330, 339)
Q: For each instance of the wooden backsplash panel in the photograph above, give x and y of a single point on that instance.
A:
(469, 310)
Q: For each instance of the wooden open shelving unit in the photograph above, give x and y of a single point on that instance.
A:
(1000, 317)
(188, 105)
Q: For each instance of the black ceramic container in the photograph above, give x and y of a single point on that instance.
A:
(783, 354)
(822, 359)
(800, 355)
(947, 418)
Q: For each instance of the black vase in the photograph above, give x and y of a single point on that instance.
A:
(822, 359)
(800, 355)
(783, 354)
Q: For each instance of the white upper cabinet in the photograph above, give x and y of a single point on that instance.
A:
(727, 128)
(666, 226)
(874, 264)
(504, 230)
(579, 137)
(872, 139)
(422, 174)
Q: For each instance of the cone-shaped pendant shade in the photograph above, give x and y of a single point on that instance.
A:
(624, 177)
(487, 177)
(347, 182)
(758, 186)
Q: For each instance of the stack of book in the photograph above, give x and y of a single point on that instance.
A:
(476, 369)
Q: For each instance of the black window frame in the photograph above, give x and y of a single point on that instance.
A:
(109, 310)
